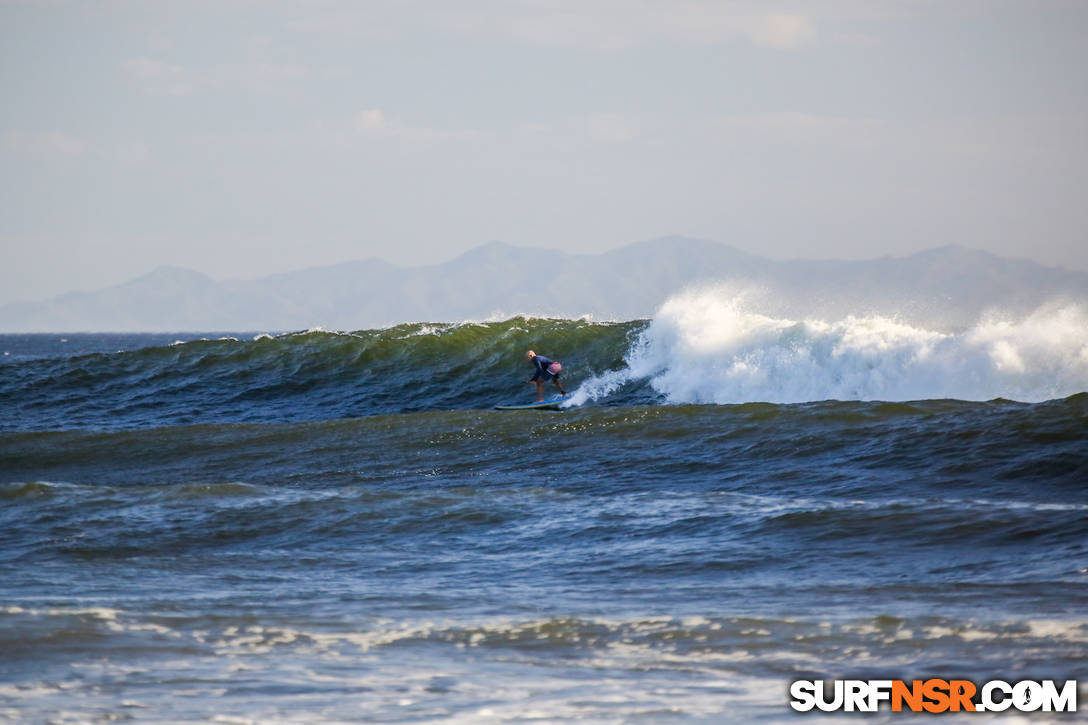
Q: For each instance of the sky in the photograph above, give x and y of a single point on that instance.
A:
(243, 138)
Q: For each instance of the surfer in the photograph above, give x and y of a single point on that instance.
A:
(544, 369)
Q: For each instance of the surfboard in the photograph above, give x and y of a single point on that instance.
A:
(552, 404)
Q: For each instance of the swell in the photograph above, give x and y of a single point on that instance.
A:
(839, 476)
(310, 375)
(702, 347)
(992, 442)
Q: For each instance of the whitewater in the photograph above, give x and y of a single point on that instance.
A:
(706, 346)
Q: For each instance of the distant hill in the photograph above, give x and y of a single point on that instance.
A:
(948, 287)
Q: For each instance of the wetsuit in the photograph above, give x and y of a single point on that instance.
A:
(541, 364)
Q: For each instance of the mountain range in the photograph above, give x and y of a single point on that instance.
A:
(947, 287)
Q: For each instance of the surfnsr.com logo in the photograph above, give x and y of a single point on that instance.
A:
(933, 695)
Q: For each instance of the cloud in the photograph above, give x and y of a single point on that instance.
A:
(58, 144)
(131, 152)
(374, 126)
(612, 127)
(257, 76)
(175, 80)
(374, 122)
(48, 143)
(781, 31)
(152, 69)
(165, 78)
(619, 24)
(595, 24)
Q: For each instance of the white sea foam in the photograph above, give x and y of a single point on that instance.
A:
(506, 315)
(706, 346)
(641, 668)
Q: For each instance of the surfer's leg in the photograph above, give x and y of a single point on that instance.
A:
(539, 390)
(556, 381)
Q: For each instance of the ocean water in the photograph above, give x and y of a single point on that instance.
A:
(336, 527)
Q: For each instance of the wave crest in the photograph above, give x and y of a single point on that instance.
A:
(705, 346)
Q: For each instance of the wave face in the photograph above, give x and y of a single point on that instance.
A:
(706, 347)
(311, 375)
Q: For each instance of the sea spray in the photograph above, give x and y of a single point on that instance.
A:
(708, 346)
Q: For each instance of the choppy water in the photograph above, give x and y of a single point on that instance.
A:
(336, 527)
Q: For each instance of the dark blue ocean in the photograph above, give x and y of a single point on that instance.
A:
(337, 527)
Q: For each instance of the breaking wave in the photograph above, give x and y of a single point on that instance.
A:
(706, 347)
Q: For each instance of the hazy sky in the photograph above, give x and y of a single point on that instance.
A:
(245, 138)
